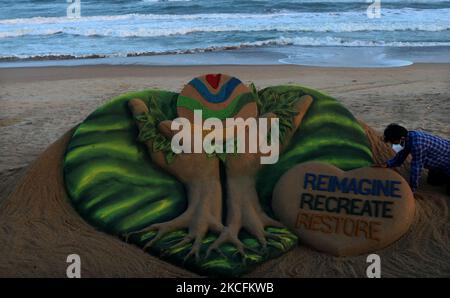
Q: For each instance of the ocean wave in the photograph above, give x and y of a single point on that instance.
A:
(160, 1)
(409, 13)
(336, 41)
(28, 9)
(142, 32)
(170, 25)
(298, 41)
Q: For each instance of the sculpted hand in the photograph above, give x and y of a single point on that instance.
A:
(243, 207)
(200, 175)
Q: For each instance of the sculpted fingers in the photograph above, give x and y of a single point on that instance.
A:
(165, 128)
(301, 106)
(138, 108)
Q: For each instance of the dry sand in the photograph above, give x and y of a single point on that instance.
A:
(38, 227)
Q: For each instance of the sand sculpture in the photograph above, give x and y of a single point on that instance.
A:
(344, 213)
(209, 213)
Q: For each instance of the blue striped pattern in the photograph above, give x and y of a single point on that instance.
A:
(223, 94)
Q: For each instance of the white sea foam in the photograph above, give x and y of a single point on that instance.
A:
(335, 41)
(299, 41)
(147, 34)
(135, 25)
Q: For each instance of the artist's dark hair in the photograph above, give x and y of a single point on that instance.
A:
(394, 132)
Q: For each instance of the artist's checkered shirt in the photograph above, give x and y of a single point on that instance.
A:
(427, 151)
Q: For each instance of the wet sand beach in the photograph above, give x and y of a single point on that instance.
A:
(39, 105)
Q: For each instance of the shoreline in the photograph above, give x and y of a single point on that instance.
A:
(316, 56)
(62, 72)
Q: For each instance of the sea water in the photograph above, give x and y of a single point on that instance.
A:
(309, 32)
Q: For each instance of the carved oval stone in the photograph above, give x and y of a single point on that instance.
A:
(344, 213)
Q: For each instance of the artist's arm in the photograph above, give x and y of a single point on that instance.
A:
(398, 159)
(417, 163)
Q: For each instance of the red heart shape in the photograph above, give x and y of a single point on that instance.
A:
(213, 80)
